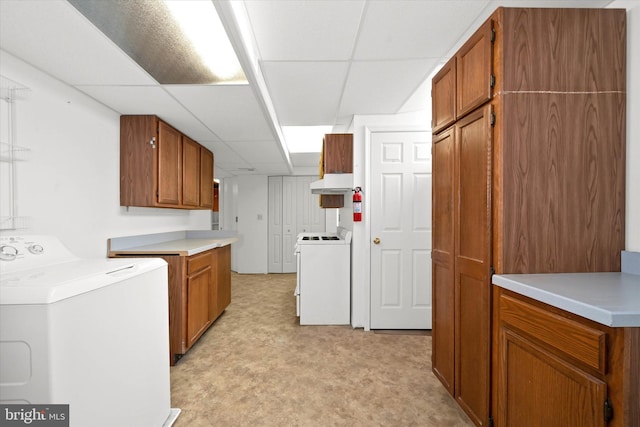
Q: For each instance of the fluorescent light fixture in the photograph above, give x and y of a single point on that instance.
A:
(200, 22)
(175, 41)
(305, 139)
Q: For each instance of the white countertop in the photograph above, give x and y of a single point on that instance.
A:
(184, 243)
(612, 299)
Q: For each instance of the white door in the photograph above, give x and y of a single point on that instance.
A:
(289, 228)
(275, 224)
(400, 210)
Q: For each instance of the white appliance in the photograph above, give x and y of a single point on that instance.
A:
(90, 333)
(323, 287)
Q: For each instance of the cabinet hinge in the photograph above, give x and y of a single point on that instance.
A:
(493, 35)
(608, 411)
(490, 422)
(492, 270)
(493, 119)
(492, 80)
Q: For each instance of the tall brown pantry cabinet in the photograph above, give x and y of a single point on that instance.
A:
(528, 172)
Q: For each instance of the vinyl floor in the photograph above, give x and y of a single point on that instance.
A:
(256, 366)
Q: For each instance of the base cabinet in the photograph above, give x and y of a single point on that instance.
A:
(553, 368)
(199, 292)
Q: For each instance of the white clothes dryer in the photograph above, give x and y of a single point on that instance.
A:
(90, 333)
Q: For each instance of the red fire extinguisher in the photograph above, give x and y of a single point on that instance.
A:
(357, 204)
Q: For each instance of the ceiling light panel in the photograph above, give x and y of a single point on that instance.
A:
(148, 32)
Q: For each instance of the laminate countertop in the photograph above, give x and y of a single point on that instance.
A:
(612, 299)
(185, 243)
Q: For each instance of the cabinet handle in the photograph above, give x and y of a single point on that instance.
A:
(152, 142)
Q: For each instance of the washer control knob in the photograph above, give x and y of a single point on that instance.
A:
(36, 249)
(8, 253)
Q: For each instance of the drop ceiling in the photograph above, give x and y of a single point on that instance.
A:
(314, 62)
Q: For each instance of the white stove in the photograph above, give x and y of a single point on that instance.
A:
(342, 237)
(323, 289)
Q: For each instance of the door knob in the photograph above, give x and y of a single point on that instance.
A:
(376, 241)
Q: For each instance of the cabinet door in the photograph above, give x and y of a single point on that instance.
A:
(190, 172)
(206, 179)
(197, 304)
(538, 389)
(474, 70)
(169, 165)
(138, 160)
(443, 96)
(442, 354)
(338, 153)
(473, 263)
(223, 284)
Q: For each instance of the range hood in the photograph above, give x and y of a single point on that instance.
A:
(333, 183)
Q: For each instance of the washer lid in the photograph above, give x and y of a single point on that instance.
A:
(49, 284)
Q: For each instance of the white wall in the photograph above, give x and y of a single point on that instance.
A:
(69, 184)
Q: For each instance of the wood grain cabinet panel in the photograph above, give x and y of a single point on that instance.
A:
(169, 147)
(198, 302)
(206, 179)
(538, 137)
(474, 70)
(443, 336)
(443, 96)
(553, 368)
(161, 167)
(190, 172)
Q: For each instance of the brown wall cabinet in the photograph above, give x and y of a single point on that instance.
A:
(336, 157)
(161, 167)
(528, 172)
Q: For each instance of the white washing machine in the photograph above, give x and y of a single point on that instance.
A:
(90, 333)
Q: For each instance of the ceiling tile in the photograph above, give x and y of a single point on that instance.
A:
(305, 93)
(224, 154)
(150, 100)
(306, 160)
(55, 37)
(258, 151)
(382, 87)
(413, 29)
(305, 30)
(232, 112)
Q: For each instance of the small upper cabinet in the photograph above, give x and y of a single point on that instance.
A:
(474, 73)
(161, 167)
(443, 96)
(336, 157)
(337, 153)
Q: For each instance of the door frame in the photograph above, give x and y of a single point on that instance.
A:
(368, 130)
